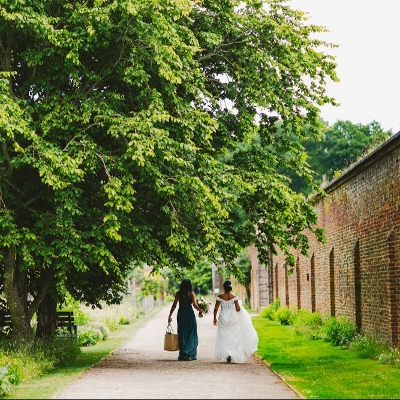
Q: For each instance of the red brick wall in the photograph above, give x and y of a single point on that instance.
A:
(356, 273)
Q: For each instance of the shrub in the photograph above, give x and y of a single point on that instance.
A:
(8, 378)
(99, 326)
(87, 338)
(339, 331)
(308, 324)
(284, 316)
(88, 335)
(390, 356)
(124, 320)
(80, 317)
(269, 311)
(368, 347)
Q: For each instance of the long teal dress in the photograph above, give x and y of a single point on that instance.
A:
(187, 330)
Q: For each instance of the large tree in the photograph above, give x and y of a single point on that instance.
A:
(339, 146)
(116, 122)
(345, 143)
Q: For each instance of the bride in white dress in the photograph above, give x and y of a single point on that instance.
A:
(236, 338)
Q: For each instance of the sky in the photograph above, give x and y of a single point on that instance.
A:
(368, 58)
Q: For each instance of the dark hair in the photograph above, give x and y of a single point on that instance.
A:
(227, 286)
(185, 288)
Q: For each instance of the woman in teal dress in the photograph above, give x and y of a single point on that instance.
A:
(186, 320)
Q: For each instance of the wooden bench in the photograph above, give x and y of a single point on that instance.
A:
(5, 322)
(66, 326)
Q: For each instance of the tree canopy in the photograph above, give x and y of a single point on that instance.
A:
(339, 146)
(116, 122)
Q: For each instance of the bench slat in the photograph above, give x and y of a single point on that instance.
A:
(65, 319)
(5, 321)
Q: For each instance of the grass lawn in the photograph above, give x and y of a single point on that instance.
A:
(319, 370)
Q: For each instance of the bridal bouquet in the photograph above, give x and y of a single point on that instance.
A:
(205, 305)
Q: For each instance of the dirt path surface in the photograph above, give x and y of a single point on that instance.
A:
(142, 369)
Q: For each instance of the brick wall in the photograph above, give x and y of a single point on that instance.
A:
(356, 273)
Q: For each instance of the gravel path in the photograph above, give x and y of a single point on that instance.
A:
(142, 369)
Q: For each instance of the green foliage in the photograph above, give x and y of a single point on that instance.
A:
(339, 331)
(124, 320)
(150, 287)
(8, 377)
(118, 146)
(285, 315)
(308, 324)
(201, 277)
(62, 350)
(80, 317)
(339, 146)
(91, 333)
(390, 356)
(88, 336)
(20, 362)
(105, 332)
(347, 142)
(243, 269)
(368, 347)
(94, 331)
(270, 310)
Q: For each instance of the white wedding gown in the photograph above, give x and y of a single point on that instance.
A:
(236, 336)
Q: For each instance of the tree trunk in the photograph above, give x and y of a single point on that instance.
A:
(248, 292)
(21, 303)
(47, 318)
(16, 294)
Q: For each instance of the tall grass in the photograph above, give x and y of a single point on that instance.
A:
(21, 362)
(111, 316)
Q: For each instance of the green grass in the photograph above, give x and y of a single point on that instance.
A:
(49, 385)
(319, 370)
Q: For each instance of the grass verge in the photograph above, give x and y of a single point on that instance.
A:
(319, 370)
(47, 386)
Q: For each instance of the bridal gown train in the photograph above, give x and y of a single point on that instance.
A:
(236, 336)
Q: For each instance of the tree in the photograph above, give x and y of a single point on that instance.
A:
(338, 147)
(201, 277)
(345, 142)
(114, 130)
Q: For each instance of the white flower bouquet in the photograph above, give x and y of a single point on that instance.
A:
(205, 305)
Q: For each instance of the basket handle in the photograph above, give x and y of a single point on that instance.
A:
(169, 329)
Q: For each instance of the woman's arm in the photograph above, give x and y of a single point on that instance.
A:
(194, 302)
(173, 307)
(237, 305)
(216, 311)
